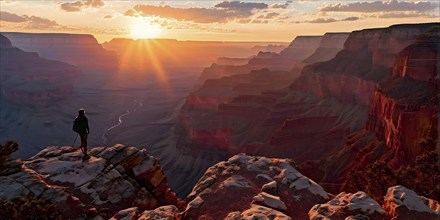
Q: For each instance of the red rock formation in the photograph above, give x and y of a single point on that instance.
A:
(78, 49)
(367, 55)
(327, 103)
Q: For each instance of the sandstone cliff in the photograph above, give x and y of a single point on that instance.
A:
(81, 50)
(367, 57)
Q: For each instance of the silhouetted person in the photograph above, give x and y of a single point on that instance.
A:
(81, 126)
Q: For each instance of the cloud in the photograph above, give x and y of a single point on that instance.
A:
(79, 5)
(350, 19)
(380, 6)
(269, 15)
(403, 15)
(32, 22)
(321, 20)
(241, 6)
(220, 13)
(280, 6)
(9, 17)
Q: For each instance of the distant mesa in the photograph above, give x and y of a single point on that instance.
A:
(81, 50)
(5, 42)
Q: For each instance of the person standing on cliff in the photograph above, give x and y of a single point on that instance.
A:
(81, 126)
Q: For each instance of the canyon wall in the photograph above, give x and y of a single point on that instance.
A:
(367, 58)
(321, 117)
(29, 79)
(81, 50)
(404, 108)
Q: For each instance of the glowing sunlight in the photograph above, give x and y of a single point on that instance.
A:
(141, 29)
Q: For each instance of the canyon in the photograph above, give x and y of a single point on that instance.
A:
(338, 126)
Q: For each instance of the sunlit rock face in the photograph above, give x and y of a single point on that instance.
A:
(29, 79)
(404, 108)
(81, 50)
(367, 57)
(246, 186)
(112, 179)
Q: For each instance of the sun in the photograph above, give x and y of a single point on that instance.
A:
(141, 29)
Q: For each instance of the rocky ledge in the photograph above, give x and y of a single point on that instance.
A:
(112, 179)
(127, 183)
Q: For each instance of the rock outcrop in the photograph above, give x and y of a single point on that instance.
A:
(403, 203)
(27, 78)
(127, 183)
(348, 206)
(164, 212)
(81, 50)
(246, 186)
(112, 179)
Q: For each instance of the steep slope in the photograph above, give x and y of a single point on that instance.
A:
(29, 79)
(81, 50)
(401, 134)
(113, 179)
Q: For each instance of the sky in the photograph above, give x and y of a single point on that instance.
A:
(219, 20)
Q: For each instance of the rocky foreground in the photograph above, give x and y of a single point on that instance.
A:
(127, 183)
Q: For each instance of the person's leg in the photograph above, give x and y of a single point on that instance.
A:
(84, 144)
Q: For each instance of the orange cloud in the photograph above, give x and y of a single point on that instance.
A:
(79, 5)
(31, 22)
(380, 6)
(221, 13)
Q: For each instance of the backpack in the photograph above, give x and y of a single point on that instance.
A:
(76, 125)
